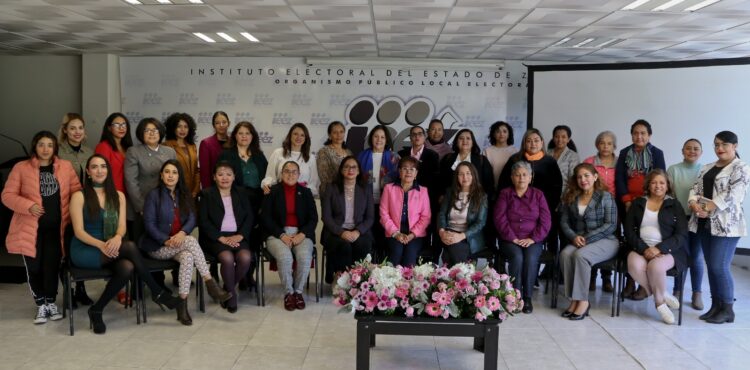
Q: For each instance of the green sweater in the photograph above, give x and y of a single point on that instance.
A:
(683, 176)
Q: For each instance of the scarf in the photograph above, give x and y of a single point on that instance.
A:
(534, 157)
(639, 162)
(387, 167)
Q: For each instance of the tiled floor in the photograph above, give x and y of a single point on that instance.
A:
(319, 338)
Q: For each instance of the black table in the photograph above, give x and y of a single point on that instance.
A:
(485, 333)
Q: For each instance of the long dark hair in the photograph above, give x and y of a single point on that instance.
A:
(476, 193)
(728, 137)
(388, 140)
(474, 145)
(182, 193)
(173, 120)
(126, 141)
(339, 179)
(573, 190)
(254, 143)
(287, 144)
(571, 145)
(91, 200)
(330, 128)
(41, 135)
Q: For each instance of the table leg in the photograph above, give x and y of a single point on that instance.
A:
(490, 346)
(364, 339)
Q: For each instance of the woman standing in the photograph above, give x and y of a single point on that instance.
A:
(378, 164)
(564, 150)
(72, 138)
(98, 216)
(169, 216)
(682, 176)
(462, 216)
(226, 222)
(634, 162)
(331, 154)
(501, 148)
(211, 148)
(656, 231)
(38, 192)
(405, 214)
(113, 145)
(289, 220)
(348, 214)
(181, 138)
(716, 200)
(588, 218)
(296, 147)
(142, 165)
(522, 220)
(604, 161)
(465, 149)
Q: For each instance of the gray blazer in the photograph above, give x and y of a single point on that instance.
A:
(142, 167)
(333, 207)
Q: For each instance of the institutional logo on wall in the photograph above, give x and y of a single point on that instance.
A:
(188, 99)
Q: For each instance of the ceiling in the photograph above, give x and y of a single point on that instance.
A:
(465, 29)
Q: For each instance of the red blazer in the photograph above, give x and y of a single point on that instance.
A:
(116, 164)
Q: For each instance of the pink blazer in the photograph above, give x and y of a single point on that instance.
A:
(392, 202)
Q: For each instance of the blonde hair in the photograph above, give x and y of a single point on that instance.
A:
(67, 117)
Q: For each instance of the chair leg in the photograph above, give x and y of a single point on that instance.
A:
(681, 284)
(139, 291)
(317, 288)
(258, 267)
(262, 283)
(199, 293)
(322, 272)
(68, 302)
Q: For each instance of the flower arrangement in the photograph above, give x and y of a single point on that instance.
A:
(428, 290)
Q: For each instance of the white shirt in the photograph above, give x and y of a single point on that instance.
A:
(377, 159)
(650, 232)
(308, 171)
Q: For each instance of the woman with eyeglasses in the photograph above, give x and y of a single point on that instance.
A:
(289, 221)
(347, 213)
(405, 214)
(114, 143)
(719, 220)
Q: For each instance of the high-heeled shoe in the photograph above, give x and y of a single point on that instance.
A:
(566, 313)
(183, 316)
(216, 292)
(96, 323)
(575, 317)
(165, 299)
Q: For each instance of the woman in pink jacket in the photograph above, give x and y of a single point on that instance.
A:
(405, 214)
(38, 192)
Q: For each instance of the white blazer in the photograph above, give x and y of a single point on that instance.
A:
(730, 187)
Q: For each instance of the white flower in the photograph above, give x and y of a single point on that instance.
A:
(465, 269)
(424, 270)
(385, 277)
(343, 281)
(368, 258)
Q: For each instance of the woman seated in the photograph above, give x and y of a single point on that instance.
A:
(522, 220)
(405, 214)
(462, 216)
(98, 216)
(588, 218)
(225, 223)
(289, 220)
(656, 231)
(169, 217)
(348, 215)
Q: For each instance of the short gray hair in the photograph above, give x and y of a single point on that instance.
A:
(522, 164)
(604, 134)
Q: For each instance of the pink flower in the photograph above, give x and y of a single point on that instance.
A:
(503, 315)
(479, 316)
(433, 279)
(392, 303)
(494, 285)
(446, 313)
(353, 292)
(404, 304)
(402, 292)
(477, 276)
(442, 287)
(454, 273)
(356, 278)
(462, 284)
(483, 289)
(493, 304)
(371, 299)
(407, 273)
(433, 309)
(480, 301)
(382, 306)
(410, 311)
(365, 286)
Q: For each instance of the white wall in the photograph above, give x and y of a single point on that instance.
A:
(35, 92)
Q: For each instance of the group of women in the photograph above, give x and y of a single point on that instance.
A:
(126, 202)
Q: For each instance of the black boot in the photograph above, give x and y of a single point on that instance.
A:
(96, 322)
(166, 299)
(725, 314)
(715, 307)
(81, 296)
(183, 316)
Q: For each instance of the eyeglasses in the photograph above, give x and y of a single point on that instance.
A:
(417, 134)
(408, 169)
(290, 172)
(347, 168)
(120, 125)
(151, 131)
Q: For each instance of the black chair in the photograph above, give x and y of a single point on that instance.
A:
(551, 258)
(154, 265)
(613, 264)
(72, 274)
(265, 256)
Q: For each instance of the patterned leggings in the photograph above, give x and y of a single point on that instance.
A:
(187, 254)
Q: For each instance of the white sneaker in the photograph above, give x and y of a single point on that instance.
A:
(41, 315)
(666, 314)
(671, 301)
(53, 313)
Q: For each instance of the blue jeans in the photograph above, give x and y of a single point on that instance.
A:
(696, 262)
(403, 254)
(719, 251)
(523, 265)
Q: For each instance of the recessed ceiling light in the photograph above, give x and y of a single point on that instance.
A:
(164, 1)
(667, 5)
(634, 4)
(584, 42)
(605, 43)
(561, 42)
(226, 37)
(701, 5)
(249, 36)
(203, 37)
(196, 1)
(134, 2)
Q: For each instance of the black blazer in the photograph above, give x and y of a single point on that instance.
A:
(672, 225)
(484, 169)
(273, 216)
(212, 213)
(546, 177)
(231, 156)
(333, 207)
(429, 167)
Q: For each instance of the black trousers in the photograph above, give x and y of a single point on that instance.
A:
(341, 254)
(43, 270)
(454, 253)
